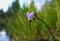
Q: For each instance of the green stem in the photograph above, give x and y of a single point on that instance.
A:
(46, 26)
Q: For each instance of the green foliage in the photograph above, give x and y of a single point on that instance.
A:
(19, 27)
(32, 8)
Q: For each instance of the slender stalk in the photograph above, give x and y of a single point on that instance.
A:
(57, 11)
(30, 24)
(30, 28)
(46, 26)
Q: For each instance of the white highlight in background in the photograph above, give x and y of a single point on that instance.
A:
(5, 4)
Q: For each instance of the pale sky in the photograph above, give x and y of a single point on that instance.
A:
(4, 4)
(38, 3)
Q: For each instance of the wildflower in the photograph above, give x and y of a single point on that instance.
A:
(30, 16)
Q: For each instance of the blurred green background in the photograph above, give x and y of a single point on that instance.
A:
(18, 27)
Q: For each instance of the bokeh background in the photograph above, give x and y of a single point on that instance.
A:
(14, 22)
